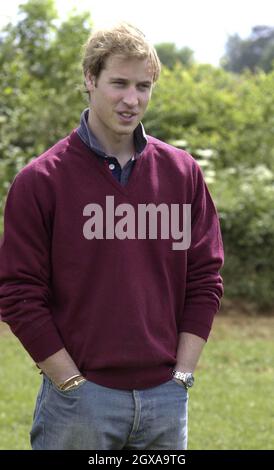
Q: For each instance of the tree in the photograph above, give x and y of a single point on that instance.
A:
(257, 51)
(40, 81)
(169, 54)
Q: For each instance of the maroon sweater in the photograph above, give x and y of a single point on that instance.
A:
(116, 305)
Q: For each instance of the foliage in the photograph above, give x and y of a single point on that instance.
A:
(212, 109)
(40, 82)
(256, 51)
(245, 202)
(170, 55)
(224, 120)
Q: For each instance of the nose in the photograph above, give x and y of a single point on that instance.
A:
(130, 97)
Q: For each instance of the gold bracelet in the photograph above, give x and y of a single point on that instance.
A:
(66, 385)
(73, 385)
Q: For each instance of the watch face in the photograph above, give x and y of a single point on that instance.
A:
(189, 380)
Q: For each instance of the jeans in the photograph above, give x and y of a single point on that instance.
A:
(94, 417)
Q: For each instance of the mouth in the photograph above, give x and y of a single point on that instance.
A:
(127, 116)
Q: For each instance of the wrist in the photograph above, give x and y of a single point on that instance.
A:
(184, 368)
(186, 378)
(71, 382)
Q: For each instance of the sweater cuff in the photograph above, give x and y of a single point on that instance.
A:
(198, 320)
(44, 345)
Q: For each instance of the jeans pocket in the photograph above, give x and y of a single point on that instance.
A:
(179, 383)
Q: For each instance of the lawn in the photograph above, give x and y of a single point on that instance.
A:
(231, 404)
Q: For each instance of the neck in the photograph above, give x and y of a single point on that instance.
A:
(120, 146)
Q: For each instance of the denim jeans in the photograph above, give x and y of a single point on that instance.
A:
(94, 417)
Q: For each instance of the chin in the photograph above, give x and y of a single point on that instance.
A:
(126, 131)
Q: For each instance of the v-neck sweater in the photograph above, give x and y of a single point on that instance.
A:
(116, 305)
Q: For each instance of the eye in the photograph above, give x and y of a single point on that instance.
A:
(144, 86)
(118, 83)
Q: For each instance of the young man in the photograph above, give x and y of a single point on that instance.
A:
(93, 280)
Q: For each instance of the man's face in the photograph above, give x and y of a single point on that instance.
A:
(120, 95)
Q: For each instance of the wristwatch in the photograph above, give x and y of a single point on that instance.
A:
(186, 378)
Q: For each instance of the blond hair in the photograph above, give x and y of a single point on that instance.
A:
(123, 39)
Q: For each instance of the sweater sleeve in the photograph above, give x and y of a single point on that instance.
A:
(204, 286)
(25, 272)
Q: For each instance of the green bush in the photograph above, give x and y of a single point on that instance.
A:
(233, 115)
(245, 204)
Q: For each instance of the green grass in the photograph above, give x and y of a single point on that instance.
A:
(231, 404)
(19, 383)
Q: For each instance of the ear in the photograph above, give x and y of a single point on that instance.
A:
(90, 82)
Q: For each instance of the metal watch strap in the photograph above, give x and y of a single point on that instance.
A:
(185, 377)
(179, 375)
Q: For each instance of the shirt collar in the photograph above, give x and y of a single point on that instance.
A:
(87, 136)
